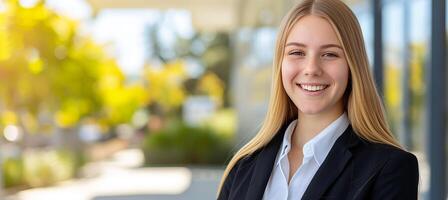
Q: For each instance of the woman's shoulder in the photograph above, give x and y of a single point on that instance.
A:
(268, 150)
(388, 155)
(368, 150)
(388, 172)
(384, 164)
(395, 154)
(246, 160)
(385, 149)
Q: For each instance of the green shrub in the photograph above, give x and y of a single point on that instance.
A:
(12, 172)
(180, 144)
(43, 168)
(36, 168)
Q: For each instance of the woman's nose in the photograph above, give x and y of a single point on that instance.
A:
(312, 67)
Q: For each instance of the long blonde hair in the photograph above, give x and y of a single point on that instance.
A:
(362, 102)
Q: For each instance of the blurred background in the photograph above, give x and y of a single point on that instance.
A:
(131, 100)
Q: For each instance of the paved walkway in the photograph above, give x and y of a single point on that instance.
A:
(121, 178)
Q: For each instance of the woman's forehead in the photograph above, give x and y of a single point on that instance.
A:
(313, 30)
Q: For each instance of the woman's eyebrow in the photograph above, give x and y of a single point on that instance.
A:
(330, 45)
(325, 46)
(295, 44)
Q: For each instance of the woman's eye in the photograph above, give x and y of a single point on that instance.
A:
(297, 53)
(330, 55)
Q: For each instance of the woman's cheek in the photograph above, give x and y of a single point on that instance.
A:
(289, 69)
(287, 79)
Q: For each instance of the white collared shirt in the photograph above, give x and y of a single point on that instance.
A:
(314, 153)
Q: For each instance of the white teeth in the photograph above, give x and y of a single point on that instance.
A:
(313, 88)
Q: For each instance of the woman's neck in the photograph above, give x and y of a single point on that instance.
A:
(308, 126)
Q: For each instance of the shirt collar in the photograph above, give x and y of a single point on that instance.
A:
(286, 143)
(320, 145)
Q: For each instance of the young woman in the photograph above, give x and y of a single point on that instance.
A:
(325, 135)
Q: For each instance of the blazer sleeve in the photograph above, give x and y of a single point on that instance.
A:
(227, 185)
(398, 179)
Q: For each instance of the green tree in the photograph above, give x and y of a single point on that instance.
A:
(46, 65)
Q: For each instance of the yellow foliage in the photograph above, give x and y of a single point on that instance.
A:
(5, 46)
(109, 81)
(35, 65)
(417, 79)
(30, 16)
(9, 117)
(48, 64)
(66, 118)
(176, 69)
(392, 86)
(119, 100)
(63, 27)
(71, 111)
(211, 85)
(120, 103)
(123, 95)
(165, 85)
(30, 122)
(223, 121)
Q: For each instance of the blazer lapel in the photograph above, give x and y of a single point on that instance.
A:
(333, 165)
(264, 164)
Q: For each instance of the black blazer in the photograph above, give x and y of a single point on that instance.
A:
(353, 169)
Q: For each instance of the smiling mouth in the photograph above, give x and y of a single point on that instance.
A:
(313, 88)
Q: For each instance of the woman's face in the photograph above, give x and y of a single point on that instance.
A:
(314, 69)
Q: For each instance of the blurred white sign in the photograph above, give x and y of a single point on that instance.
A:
(198, 108)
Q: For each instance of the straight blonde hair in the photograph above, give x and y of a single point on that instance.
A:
(362, 102)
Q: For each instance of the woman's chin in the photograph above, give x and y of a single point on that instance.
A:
(313, 111)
